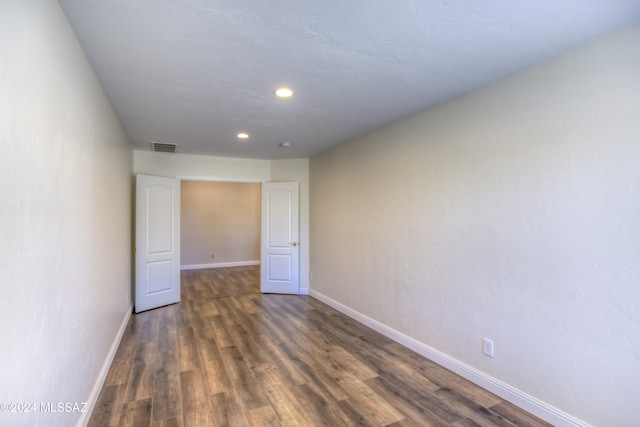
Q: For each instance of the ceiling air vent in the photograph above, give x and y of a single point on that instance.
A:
(164, 147)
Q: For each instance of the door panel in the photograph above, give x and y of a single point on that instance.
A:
(280, 231)
(159, 277)
(157, 242)
(280, 267)
(159, 219)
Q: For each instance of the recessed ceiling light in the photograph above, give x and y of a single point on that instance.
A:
(285, 144)
(243, 135)
(283, 92)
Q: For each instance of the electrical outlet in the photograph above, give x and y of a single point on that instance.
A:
(213, 256)
(487, 347)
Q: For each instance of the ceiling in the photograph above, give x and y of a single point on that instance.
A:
(197, 72)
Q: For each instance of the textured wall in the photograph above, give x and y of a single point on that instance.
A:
(65, 216)
(510, 213)
(221, 218)
(208, 168)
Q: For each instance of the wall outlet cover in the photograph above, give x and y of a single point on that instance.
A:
(487, 347)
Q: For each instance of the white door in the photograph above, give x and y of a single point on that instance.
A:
(157, 242)
(280, 252)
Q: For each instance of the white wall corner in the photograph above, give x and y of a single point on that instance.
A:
(102, 376)
(528, 403)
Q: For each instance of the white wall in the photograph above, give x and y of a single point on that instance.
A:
(65, 217)
(204, 168)
(220, 219)
(512, 213)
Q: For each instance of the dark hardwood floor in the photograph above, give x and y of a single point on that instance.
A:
(229, 356)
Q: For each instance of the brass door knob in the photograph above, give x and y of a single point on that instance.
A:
(294, 243)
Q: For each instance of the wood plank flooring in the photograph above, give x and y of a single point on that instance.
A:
(229, 356)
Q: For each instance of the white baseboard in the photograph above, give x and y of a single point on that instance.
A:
(102, 376)
(528, 403)
(219, 265)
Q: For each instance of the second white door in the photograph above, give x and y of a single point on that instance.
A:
(280, 248)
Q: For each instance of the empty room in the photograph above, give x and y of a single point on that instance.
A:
(387, 213)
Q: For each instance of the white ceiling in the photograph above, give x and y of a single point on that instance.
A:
(196, 72)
